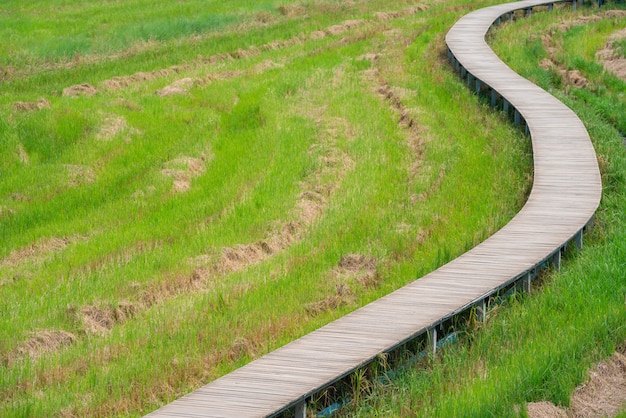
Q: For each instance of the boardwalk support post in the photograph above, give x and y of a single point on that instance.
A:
(301, 410)
(526, 282)
(494, 97)
(557, 260)
(477, 86)
(483, 311)
(550, 7)
(516, 117)
(579, 239)
(505, 106)
(432, 339)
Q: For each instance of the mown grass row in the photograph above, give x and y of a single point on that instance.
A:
(149, 244)
(540, 347)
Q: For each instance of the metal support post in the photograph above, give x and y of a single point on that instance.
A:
(477, 86)
(516, 117)
(470, 78)
(505, 106)
(526, 282)
(550, 7)
(463, 72)
(574, 4)
(482, 311)
(557, 260)
(494, 97)
(579, 239)
(301, 410)
(432, 336)
(529, 11)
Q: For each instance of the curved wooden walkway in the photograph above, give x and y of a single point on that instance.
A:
(565, 194)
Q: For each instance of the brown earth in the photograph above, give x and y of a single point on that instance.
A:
(603, 395)
(606, 56)
(609, 57)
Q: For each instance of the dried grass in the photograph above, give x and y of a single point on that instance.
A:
(79, 90)
(112, 126)
(35, 252)
(179, 87)
(79, 174)
(609, 58)
(99, 320)
(45, 341)
(31, 106)
(603, 395)
(183, 169)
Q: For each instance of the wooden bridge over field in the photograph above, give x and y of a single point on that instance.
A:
(566, 192)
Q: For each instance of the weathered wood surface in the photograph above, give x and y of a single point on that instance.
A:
(566, 192)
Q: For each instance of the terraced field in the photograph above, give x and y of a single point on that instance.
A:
(186, 187)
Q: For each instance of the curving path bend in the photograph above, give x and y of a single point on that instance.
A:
(566, 192)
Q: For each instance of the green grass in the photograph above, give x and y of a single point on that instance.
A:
(291, 160)
(540, 347)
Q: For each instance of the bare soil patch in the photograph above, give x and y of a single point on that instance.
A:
(31, 106)
(545, 410)
(605, 56)
(78, 90)
(610, 59)
(603, 395)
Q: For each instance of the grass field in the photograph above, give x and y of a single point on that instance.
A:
(188, 186)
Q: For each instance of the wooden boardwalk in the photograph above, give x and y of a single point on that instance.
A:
(566, 192)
